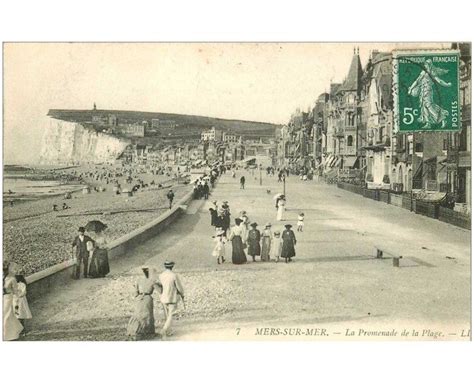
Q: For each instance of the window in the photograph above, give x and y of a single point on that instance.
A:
(445, 144)
(349, 140)
(419, 147)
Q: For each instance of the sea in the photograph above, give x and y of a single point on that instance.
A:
(18, 187)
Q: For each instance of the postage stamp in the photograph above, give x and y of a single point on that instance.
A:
(426, 91)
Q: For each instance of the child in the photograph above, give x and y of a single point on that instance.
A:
(219, 249)
(276, 246)
(20, 302)
(300, 222)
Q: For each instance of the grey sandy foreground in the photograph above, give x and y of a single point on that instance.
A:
(336, 288)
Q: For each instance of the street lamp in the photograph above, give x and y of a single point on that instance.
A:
(284, 186)
(260, 166)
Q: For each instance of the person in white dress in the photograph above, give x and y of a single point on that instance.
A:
(245, 225)
(20, 302)
(281, 208)
(300, 222)
(276, 246)
(219, 248)
(12, 327)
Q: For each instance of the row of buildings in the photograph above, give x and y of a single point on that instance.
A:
(214, 145)
(348, 136)
(110, 124)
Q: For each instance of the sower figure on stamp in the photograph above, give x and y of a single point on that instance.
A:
(171, 290)
(422, 87)
(81, 255)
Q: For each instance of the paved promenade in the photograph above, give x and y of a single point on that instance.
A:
(334, 285)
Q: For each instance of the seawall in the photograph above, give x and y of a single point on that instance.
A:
(42, 282)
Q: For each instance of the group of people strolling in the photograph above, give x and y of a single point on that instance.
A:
(267, 244)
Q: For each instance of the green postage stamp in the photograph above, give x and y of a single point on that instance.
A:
(426, 91)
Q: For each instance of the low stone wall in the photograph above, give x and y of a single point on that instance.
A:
(421, 207)
(425, 208)
(351, 187)
(371, 194)
(396, 200)
(454, 218)
(41, 282)
(407, 203)
(384, 196)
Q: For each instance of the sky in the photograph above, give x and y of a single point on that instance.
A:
(249, 81)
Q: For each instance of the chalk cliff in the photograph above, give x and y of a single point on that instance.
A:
(71, 143)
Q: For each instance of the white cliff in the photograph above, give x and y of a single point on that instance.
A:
(71, 143)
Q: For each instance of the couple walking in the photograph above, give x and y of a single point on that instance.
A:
(142, 322)
(91, 255)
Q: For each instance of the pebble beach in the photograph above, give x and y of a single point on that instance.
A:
(36, 237)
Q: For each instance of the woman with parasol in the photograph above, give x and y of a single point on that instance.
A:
(99, 258)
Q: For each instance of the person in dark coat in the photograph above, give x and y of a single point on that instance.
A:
(289, 241)
(253, 241)
(81, 254)
(205, 190)
(170, 196)
(225, 217)
(214, 216)
(242, 183)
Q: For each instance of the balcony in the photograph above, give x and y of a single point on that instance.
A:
(339, 133)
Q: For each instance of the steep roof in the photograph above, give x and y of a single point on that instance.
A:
(334, 88)
(352, 82)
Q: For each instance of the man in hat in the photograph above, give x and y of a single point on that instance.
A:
(170, 196)
(171, 290)
(242, 183)
(80, 253)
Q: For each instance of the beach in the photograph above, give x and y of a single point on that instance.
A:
(36, 237)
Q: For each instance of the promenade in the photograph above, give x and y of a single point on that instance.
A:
(334, 284)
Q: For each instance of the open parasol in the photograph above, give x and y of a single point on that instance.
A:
(95, 226)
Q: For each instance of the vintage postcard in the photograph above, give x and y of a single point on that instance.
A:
(237, 191)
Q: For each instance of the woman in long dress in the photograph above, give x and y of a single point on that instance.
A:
(253, 240)
(102, 254)
(245, 225)
(276, 247)
(266, 242)
(238, 254)
(281, 208)
(20, 302)
(289, 241)
(12, 327)
(142, 322)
